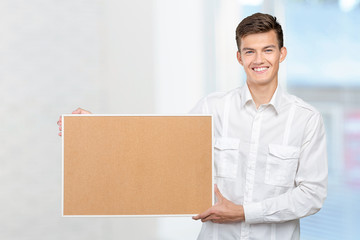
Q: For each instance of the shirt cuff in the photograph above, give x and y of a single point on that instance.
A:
(253, 213)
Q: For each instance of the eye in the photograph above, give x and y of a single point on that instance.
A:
(249, 52)
(268, 50)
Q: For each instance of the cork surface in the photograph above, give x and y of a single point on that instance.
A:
(137, 165)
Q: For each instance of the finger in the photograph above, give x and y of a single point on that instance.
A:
(77, 111)
(59, 122)
(203, 215)
(212, 218)
(217, 221)
(199, 216)
(60, 134)
(81, 111)
(196, 217)
(217, 192)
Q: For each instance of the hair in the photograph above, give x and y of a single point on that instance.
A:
(259, 23)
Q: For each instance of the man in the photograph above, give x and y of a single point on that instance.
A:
(270, 150)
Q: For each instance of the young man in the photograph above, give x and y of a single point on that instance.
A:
(270, 150)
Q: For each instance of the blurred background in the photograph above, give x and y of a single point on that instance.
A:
(160, 56)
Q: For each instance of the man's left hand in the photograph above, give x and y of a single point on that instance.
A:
(224, 211)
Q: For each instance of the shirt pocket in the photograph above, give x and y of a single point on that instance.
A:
(281, 165)
(226, 153)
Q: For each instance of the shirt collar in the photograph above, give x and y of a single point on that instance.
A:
(245, 95)
(275, 100)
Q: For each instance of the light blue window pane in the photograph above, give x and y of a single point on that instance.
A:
(323, 43)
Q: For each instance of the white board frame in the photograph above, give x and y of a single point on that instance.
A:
(130, 115)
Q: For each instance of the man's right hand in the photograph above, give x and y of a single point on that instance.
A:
(77, 111)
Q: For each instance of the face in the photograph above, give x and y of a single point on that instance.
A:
(260, 56)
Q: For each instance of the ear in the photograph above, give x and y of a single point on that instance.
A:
(238, 56)
(283, 53)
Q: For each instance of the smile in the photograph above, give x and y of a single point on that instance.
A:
(260, 69)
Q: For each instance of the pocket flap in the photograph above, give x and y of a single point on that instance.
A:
(284, 152)
(227, 143)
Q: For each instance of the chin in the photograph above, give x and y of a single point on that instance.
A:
(260, 82)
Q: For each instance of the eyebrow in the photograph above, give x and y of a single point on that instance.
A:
(252, 49)
(270, 46)
(247, 49)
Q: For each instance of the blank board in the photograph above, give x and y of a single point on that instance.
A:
(116, 165)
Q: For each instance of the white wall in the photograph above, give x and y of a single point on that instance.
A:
(128, 34)
(179, 51)
(227, 68)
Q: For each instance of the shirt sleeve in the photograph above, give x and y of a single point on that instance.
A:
(311, 182)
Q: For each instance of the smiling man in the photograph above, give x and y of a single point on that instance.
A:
(270, 149)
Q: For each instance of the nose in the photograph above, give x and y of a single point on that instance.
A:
(258, 58)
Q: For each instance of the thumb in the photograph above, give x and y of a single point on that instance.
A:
(218, 194)
(80, 111)
(77, 111)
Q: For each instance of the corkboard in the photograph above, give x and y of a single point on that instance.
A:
(137, 165)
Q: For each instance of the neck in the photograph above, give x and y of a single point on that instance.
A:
(262, 94)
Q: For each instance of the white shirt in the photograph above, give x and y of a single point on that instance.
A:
(272, 160)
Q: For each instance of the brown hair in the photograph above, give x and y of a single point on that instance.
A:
(259, 23)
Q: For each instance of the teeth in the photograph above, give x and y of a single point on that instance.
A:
(260, 69)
